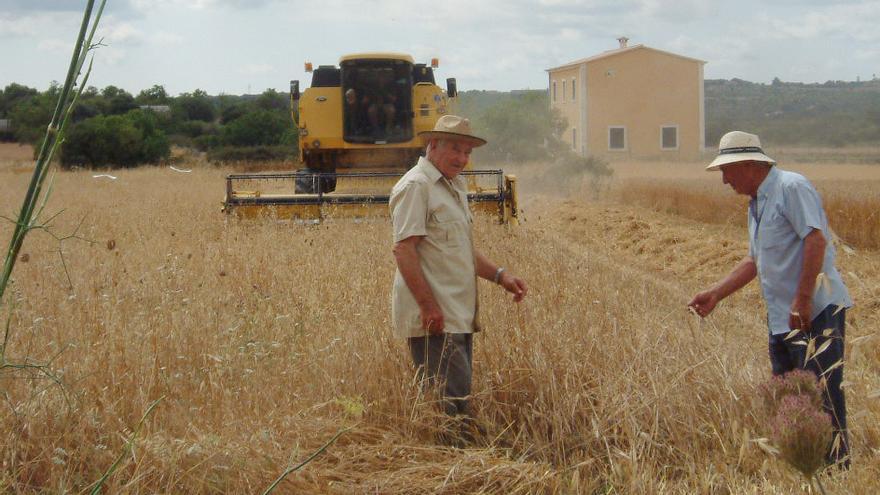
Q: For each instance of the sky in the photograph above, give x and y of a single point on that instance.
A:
(248, 46)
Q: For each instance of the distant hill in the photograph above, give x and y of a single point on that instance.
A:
(834, 113)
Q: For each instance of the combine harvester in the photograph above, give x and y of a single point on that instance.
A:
(358, 134)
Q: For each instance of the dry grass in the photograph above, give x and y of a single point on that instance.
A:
(848, 193)
(268, 338)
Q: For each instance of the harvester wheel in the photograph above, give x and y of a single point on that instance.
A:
(307, 183)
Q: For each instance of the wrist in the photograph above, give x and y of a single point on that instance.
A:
(498, 274)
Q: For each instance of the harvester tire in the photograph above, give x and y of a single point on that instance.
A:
(306, 183)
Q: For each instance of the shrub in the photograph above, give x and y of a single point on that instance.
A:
(193, 106)
(251, 153)
(115, 141)
(257, 128)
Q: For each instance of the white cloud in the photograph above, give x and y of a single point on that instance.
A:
(27, 25)
(109, 55)
(153, 5)
(487, 44)
(858, 21)
(9, 26)
(55, 46)
(119, 33)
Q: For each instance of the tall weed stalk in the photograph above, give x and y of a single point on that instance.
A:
(35, 199)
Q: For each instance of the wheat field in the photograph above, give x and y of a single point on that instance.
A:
(262, 340)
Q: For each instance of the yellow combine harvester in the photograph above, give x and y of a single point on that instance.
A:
(358, 134)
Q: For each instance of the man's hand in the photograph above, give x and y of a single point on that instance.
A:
(432, 319)
(704, 302)
(514, 285)
(799, 317)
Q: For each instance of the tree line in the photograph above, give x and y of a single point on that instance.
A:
(833, 113)
(113, 128)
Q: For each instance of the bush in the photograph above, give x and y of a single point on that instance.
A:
(224, 154)
(193, 106)
(521, 128)
(194, 128)
(115, 141)
(30, 116)
(257, 128)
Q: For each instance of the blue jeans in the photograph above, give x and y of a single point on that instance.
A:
(788, 355)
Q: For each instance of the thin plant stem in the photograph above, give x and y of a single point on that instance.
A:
(129, 445)
(303, 463)
(819, 485)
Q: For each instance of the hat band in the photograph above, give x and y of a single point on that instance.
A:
(741, 149)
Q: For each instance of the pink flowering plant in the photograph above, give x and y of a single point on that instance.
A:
(799, 426)
(797, 382)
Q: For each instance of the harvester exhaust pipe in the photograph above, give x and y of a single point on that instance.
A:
(451, 87)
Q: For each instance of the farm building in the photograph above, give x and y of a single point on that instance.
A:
(633, 102)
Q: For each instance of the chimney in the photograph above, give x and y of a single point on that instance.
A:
(622, 40)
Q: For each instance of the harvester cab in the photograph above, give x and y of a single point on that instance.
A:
(358, 126)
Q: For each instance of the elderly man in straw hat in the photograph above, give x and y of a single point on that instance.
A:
(434, 296)
(791, 254)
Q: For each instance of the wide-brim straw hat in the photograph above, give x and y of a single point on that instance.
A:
(738, 146)
(452, 127)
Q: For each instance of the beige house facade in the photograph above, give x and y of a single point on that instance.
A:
(632, 102)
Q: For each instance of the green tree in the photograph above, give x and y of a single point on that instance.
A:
(117, 101)
(29, 115)
(521, 128)
(272, 100)
(115, 141)
(155, 95)
(12, 94)
(258, 128)
(233, 111)
(193, 106)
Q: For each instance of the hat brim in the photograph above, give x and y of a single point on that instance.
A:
(473, 140)
(722, 160)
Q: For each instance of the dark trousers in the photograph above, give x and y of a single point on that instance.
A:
(444, 361)
(787, 355)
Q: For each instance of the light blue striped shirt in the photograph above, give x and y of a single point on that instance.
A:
(786, 209)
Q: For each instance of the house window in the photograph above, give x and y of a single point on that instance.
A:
(563, 90)
(669, 137)
(573, 93)
(554, 90)
(574, 139)
(617, 138)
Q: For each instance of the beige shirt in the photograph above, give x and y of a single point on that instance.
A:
(424, 203)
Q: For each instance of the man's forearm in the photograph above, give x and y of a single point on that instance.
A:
(484, 266)
(814, 256)
(411, 270)
(743, 273)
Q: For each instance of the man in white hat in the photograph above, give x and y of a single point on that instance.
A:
(790, 252)
(434, 296)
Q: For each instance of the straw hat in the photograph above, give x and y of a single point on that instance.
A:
(452, 127)
(738, 146)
